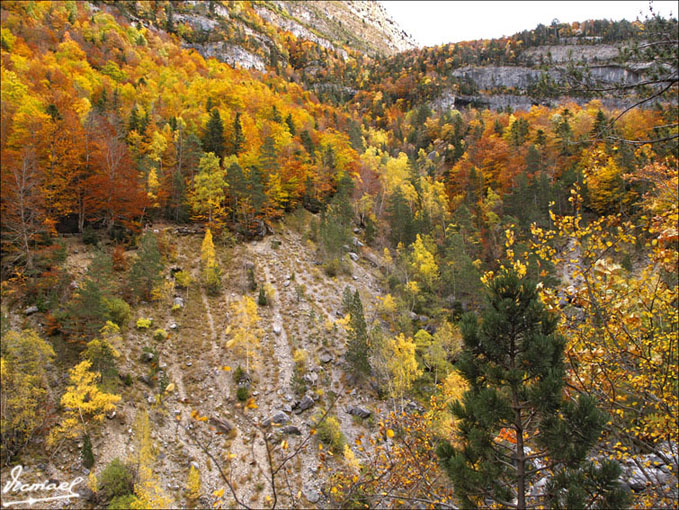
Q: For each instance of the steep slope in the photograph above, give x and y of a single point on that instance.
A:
(255, 35)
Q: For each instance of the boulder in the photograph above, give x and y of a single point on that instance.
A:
(357, 243)
(292, 430)
(306, 403)
(279, 418)
(31, 310)
(311, 494)
(178, 301)
(147, 357)
(86, 494)
(359, 411)
(325, 358)
(277, 329)
(353, 256)
(637, 482)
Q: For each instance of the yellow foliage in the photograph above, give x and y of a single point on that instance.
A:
(84, 403)
(350, 459)
(402, 364)
(423, 262)
(24, 386)
(244, 332)
(193, 485)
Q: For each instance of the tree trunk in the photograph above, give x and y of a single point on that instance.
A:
(520, 455)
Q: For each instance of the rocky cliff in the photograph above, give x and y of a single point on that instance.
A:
(254, 35)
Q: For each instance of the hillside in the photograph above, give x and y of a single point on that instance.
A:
(268, 255)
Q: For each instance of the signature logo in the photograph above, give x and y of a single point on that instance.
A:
(26, 489)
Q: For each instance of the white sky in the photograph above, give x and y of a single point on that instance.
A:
(440, 22)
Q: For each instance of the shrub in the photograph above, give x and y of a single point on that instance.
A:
(115, 480)
(117, 311)
(239, 374)
(261, 299)
(182, 279)
(143, 323)
(269, 293)
(90, 236)
(252, 283)
(122, 502)
(160, 334)
(332, 267)
(330, 433)
(243, 393)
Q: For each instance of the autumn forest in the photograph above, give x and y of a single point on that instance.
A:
(314, 283)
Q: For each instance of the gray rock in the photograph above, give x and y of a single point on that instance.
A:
(147, 357)
(287, 408)
(412, 407)
(353, 256)
(150, 399)
(292, 430)
(311, 494)
(178, 301)
(637, 482)
(173, 326)
(286, 283)
(357, 243)
(146, 380)
(311, 378)
(277, 329)
(31, 310)
(86, 493)
(111, 415)
(306, 403)
(325, 358)
(359, 411)
(189, 363)
(279, 418)
(194, 464)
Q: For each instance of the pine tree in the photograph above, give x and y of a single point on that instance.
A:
(145, 272)
(401, 219)
(238, 140)
(213, 140)
(291, 125)
(515, 425)
(133, 122)
(358, 347)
